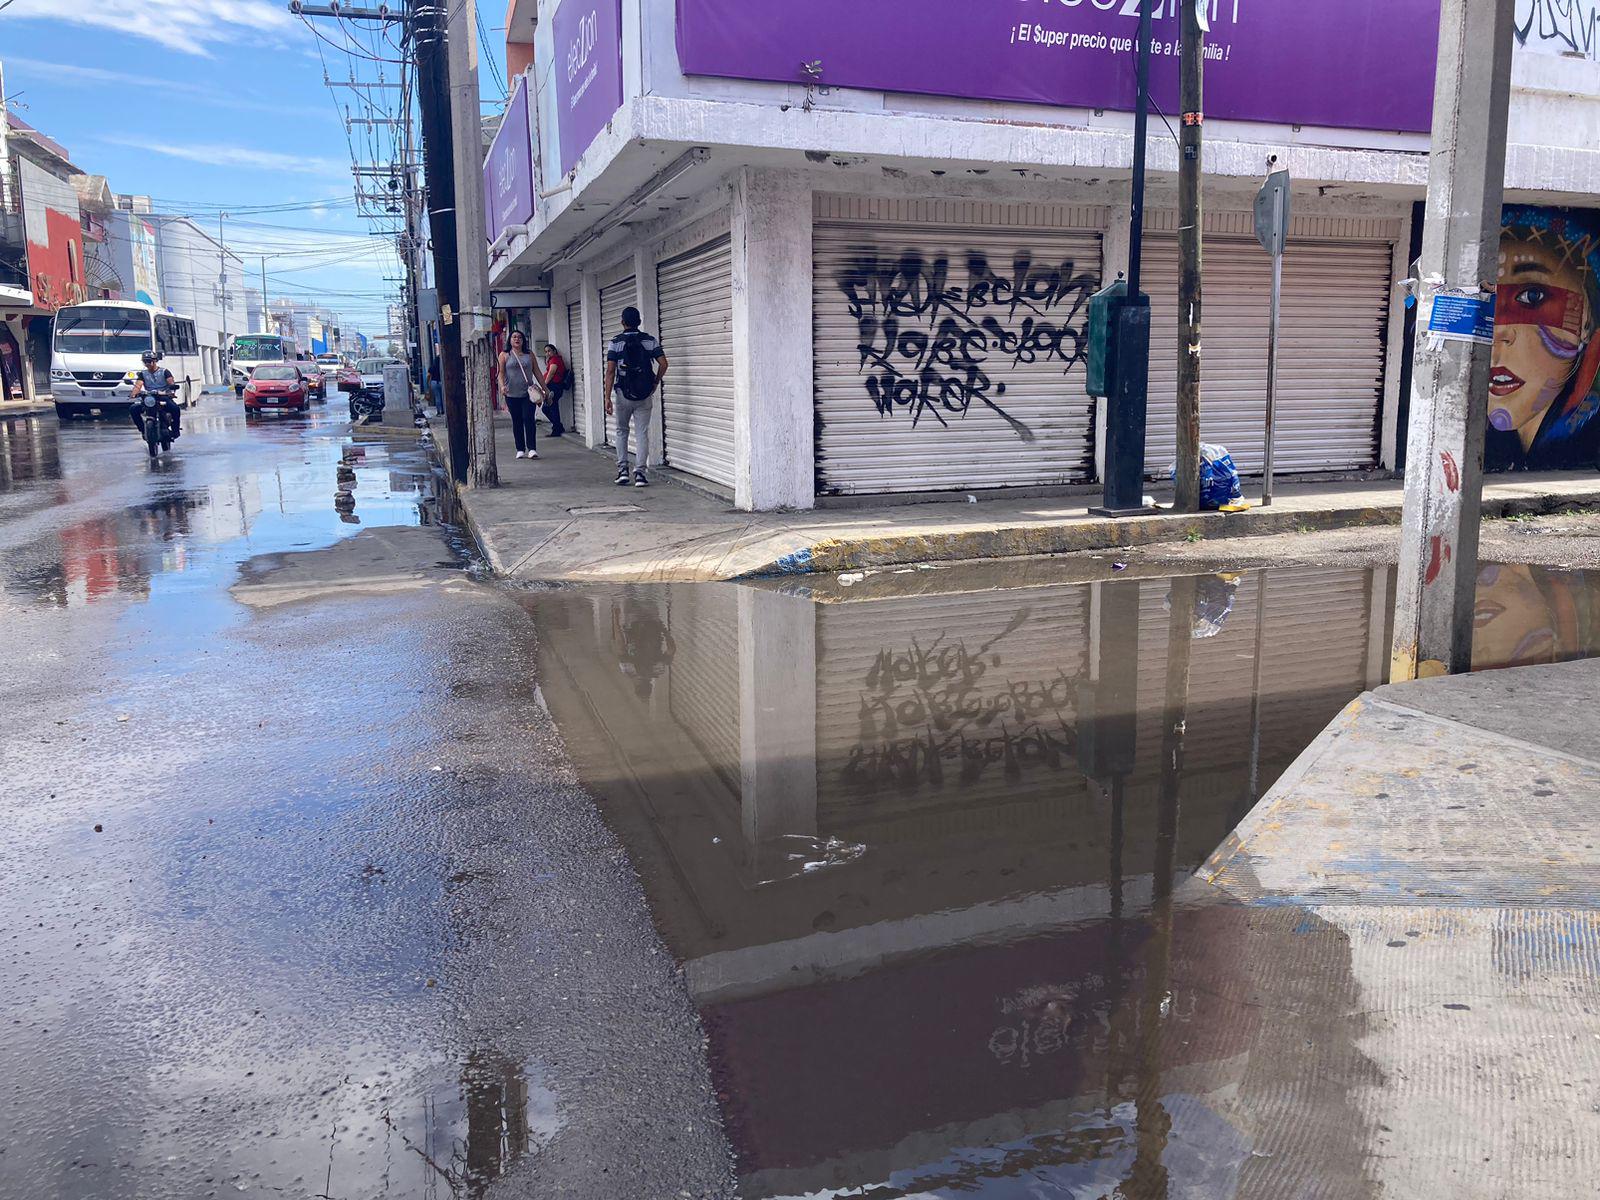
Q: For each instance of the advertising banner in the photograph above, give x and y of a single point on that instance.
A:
(588, 71)
(146, 285)
(508, 171)
(1357, 64)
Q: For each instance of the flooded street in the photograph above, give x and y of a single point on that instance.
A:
(301, 900)
(921, 846)
(322, 854)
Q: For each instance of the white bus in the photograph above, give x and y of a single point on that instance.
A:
(96, 354)
(251, 350)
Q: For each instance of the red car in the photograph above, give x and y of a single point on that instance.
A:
(277, 387)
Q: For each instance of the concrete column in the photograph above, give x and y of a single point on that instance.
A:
(589, 410)
(773, 422)
(644, 270)
(1434, 592)
(1389, 418)
(1113, 262)
(777, 721)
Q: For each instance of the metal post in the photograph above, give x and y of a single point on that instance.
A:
(1272, 353)
(266, 308)
(1123, 493)
(1191, 70)
(1434, 592)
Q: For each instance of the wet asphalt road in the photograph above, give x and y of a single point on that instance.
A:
(302, 898)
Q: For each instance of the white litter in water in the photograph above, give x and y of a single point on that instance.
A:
(852, 577)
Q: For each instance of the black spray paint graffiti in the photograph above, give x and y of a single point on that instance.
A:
(926, 709)
(1560, 27)
(929, 343)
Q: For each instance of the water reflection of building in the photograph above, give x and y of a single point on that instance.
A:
(919, 853)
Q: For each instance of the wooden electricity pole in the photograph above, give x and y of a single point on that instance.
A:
(433, 104)
(1191, 70)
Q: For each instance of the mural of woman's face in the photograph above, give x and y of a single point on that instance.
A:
(1512, 622)
(1542, 320)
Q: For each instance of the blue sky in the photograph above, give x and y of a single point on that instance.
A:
(211, 105)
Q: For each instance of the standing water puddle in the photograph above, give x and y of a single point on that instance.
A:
(920, 845)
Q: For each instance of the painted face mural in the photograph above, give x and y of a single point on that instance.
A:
(1542, 395)
(1528, 615)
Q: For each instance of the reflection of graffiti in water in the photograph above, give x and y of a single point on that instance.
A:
(1528, 615)
(926, 709)
(928, 344)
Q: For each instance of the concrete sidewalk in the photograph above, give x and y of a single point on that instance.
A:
(1441, 841)
(562, 518)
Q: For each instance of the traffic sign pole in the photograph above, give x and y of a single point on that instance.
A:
(1272, 231)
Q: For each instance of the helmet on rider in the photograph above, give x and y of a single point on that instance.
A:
(150, 358)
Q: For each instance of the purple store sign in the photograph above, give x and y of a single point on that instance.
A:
(508, 171)
(1355, 64)
(588, 72)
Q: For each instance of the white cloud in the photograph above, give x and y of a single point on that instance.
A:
(191, 26)
(168, 87)
(242, 156)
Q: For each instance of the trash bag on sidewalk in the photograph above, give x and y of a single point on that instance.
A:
(1219, 478)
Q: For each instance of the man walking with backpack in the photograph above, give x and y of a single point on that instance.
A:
(634, 367)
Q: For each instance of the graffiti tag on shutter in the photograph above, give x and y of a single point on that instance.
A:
(933, 342)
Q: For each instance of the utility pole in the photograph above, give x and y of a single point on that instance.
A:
(1130, 333)
(472, 250)
(433, 102)
(1191, 71)
(222, 296)
(266, 308)
(1434, 593)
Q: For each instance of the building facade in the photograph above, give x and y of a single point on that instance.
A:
(192, 268)
(869, 265)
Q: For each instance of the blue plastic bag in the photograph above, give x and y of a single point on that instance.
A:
(1219, 478)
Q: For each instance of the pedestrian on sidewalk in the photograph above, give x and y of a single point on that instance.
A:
(519, 376)
(635, 364)
(555, 386)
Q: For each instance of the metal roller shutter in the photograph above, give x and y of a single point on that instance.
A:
(982, 386)
(704, 696)
(695, 296)
(613, 300)
(574, 355)
(1330, 352)
(949, 714)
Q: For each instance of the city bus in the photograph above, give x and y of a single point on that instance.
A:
(96, 349)
(251, 350)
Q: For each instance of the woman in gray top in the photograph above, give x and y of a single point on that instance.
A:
(519, 375)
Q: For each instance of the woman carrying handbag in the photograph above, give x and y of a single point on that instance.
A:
(519, 377)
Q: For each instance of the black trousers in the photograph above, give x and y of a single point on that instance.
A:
(552, 408)
(522, 427)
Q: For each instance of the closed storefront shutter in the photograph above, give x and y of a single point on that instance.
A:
(1330, 352)
(949, 715)
(573, 351)
(613, 300)
(695, 295)
(948, 350)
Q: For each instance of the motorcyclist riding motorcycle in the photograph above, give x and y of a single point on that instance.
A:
(159, 381)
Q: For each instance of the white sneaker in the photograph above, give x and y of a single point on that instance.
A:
(520, 454)
(533, 454)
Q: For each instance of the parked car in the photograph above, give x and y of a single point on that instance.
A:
(369, 374)
(277, 387)
(348, 379)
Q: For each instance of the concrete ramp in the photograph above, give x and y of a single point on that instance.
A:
(1446, 836)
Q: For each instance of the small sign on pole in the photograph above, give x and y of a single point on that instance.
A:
(1272, 231)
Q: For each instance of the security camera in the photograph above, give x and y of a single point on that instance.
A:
(383, 12)
(296, 7)
(1272, 160)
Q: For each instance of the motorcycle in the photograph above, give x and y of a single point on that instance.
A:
(368, 404)
(157, 421)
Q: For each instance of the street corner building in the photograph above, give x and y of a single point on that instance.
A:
(867, 244)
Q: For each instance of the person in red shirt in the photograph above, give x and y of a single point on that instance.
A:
(555, 385)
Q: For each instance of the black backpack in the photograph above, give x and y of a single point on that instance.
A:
(636, 374)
